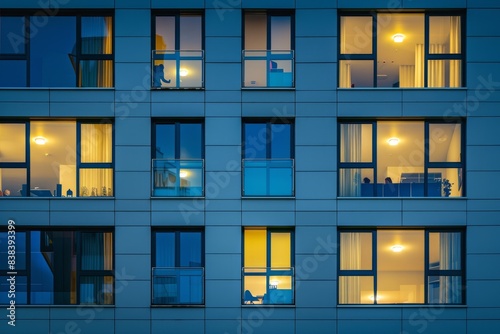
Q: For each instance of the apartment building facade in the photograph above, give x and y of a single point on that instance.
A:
(249, 166)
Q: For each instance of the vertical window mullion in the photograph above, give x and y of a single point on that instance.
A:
(374, 157)
(426, 56)
(78, 156)
(426, 267)
(374, 48)
(374, 266)
(27, 158)
(426, 158)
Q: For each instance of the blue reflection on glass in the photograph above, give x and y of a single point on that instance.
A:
(42, 278)
(190, 249)
(165, 249)
(12, 39)
(165, 141)
(13, 73)
(255, 141)
(52, 51)
(191, 141)
(19, 242)
(280, 141)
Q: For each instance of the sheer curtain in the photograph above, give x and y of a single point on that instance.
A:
(350, 180)
(97, 38)
(455, 48)
(350, 259)
(96, 147)
(345, 74)
(449, 259)
(419, 65)
(406, 76)
(436, 67)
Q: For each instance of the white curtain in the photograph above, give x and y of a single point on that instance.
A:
(436, 67)
(96, 147)
(419, 65)
(350, 259)
(350, 178)
(345, 75)
(406, 76)
(455, 48)
(449, 259)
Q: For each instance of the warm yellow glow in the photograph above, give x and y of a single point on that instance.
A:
(183, 173)
(183, 72)
(280, 249)
(397, 248)
(255, 248)
(372, 298)
(40, 140)
(393, 141)
(398, 38)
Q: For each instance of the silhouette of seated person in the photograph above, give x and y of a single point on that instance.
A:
(366, 180)
(390, 189)
(159, 76)
(249, 298)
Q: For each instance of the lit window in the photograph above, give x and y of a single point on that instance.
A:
(268, 165)
(64, 51)
(401, 159)
(57, 158)
(400, 57)
(178, 271)
(268, 56)
(178, 57)
(268, 272)
(391, 267)
(178, 165)
(60, 267)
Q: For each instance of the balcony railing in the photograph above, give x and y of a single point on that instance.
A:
(178, 286)
(177, 69)
(268, 285)
(268, 177)
(178, 178)
(268, 68)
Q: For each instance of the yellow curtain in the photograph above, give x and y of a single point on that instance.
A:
(350, 259)
(436, 67)
(105, 70)
(407, 76)
(345, 74)
(455, 48)
(419, 65)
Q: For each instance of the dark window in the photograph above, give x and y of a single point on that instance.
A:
(59, 267)
(178, 270)
(401, 158)
(65, 50)
(410, 266)
(268, 158)
(178, 153)
(401, 50)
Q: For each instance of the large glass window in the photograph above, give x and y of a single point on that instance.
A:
(268, 164)
(401, 266)
(268, 269)
(268, 56)
(178, 152)
(178, 57)
(401, 158)
(178, 270)
(56, 158)
(401, 50)
(59, 267)
(61, 50)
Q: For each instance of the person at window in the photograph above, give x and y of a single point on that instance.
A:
(388, 180)
(6, 192)
(366, 180)
(159, 76)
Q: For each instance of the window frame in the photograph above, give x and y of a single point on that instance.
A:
(427, 271)
(27, 14)
(77, 232)
(268, 123)
(269, 269)
(177, 14)
(177, 232)
(427, 163)
(26, 165)
(427, 55)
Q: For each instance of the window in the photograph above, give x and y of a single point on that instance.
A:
(59, 267)
(385, 266)
(178, 50)
(401, 50)
(178, 271)
(178, 152)
(64, 50)
(268, 272)
(268, 56)
(268, 165)
(401, 158)
(58, 158)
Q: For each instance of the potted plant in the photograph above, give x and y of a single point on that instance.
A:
(446, 187)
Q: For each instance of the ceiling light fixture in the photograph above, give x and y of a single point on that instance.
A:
(183, 72)
(397, 248)
(40, 140)
(183, 173)
(398, 38)
(393, 141)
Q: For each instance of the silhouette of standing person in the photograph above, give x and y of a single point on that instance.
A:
(159, 76)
